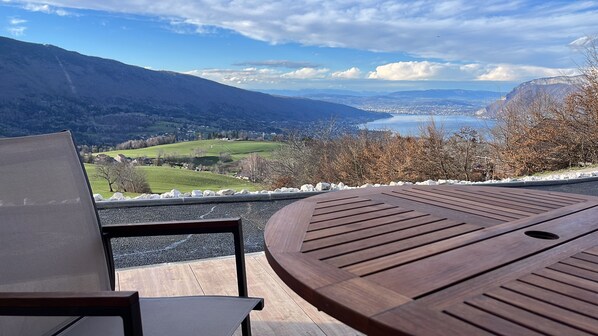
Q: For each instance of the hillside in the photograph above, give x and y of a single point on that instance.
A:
(44, 88)
(557, 88)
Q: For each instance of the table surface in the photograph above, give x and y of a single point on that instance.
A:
(443, 260)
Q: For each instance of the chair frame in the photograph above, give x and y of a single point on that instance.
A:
(124, 303)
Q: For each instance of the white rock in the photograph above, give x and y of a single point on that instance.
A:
(207, 193)
(117, 197)
(187, 194)
(264, 192)
(341, 186)
(321, 186)
(98, 197)
(242, 192)
(174, 193)
(367, 185)
(196, 193)
(226, 192)
(307, 187)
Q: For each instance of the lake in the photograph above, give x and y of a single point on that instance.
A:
(409, 124)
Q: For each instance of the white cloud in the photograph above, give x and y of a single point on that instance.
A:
(508, 72)
(351, 73)
(16, 31)
(306, 73)
(516, 32)
(16, 21)
(44, 8)
(424, 70)
(408, 70)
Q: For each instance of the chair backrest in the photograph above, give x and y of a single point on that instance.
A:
(49, 231)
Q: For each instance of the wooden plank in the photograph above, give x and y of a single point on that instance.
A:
(338, 230)
(556, 299)
(490, 198)
(356, 218)
(354, 205)
(583, 264)
(569, 279)
(544, 197)
(349, 213)
(525, 200)
(523, 317)
(487, 321)
(339, 247)
(593, 251)
(411, 319)
(587, 257)
(164, 280)
(356, 300)
(329, 325)
(455, 206)
(285, 230)
(430, 274)
(547, 310)
(405, 223)
(476, 203)
(304, 274)
(582, 273)
(355, 259)
(563, 288)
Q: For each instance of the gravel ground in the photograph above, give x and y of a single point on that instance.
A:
(131, 252)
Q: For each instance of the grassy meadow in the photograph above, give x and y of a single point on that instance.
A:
(163, 179)
(209, 148)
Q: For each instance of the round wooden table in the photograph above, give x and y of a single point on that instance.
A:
(443, 260)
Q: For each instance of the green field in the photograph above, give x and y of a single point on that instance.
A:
(213, 148)
(163, 179)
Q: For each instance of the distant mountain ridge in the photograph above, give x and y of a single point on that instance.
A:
(557, 88)
(436, 101)
(44, 88)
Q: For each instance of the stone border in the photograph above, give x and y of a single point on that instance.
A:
(286, 193)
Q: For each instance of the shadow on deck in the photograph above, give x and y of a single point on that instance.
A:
(285, 313)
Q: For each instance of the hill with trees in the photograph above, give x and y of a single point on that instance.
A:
(44, 88)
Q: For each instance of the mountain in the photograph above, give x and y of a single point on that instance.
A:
(44, 88)
(442, 102)
(558, 88)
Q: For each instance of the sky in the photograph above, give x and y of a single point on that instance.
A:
(359, 45)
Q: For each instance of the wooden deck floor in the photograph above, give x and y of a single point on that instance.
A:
(285, 313)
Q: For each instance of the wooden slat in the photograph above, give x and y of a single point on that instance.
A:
(343, 214)
(410, 319)
(358, 217)
(563, 288)
(380, 251)
(583, 264)
(523, 317)
(525, 200)
(361, 225)
(465, 202)
(593, 251)
(555, 299)
(555, 313)
(378, 242)
(406, 222)
(487, 321)
(580, 272)
(288, 237)
(455, 206)
(366, 298)
(544, 197)
(347, 206)
(488, 198)
(569, 279)
(587, 257)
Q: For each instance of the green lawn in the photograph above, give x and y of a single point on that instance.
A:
(237, 149)
(163, 179)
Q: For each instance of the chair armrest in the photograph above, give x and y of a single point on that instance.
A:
(224, 225)
(104, 303)
(172, 228)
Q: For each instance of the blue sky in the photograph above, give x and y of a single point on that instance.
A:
(361, 45)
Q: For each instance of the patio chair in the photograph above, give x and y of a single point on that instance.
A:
(56, 267)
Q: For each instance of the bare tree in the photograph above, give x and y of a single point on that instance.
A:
(107, 171)
(255, 167)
